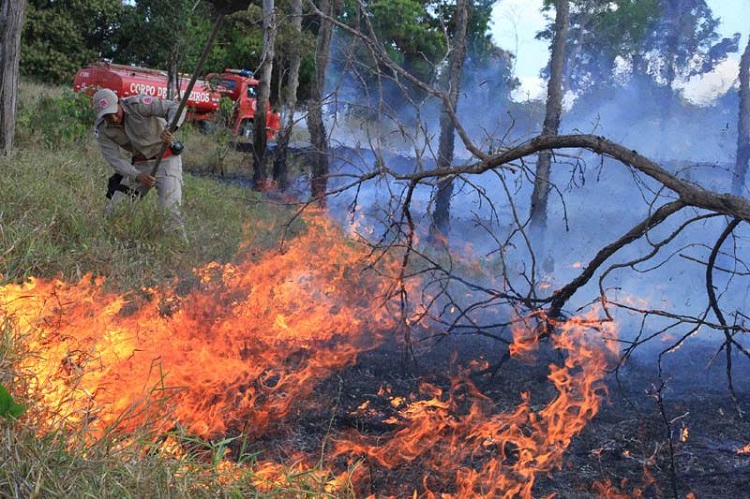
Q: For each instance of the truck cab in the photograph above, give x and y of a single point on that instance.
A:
(240, 86)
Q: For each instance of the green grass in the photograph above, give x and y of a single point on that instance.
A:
(52, 214)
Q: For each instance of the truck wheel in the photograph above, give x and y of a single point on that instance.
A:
(244, 139)
(206, 126)
(247, 129)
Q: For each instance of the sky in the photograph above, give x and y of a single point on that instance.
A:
(516, 22)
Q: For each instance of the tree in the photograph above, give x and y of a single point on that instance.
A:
(414, 35)
(659, 40)
(316, 127)
(555, 90)
(743, 125)
(260, 177)
(280, 174)
(674, 208)
(600, 35)
(164, 24)
(11, 22)
(441, 212)
(240, 43)
(408, 30)
(60, 37)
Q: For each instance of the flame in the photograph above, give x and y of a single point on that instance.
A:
(460, 437)
(230, 355)
(611, 491)
(624, 490)
(684, 434)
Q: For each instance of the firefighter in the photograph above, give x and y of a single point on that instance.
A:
(138, 126)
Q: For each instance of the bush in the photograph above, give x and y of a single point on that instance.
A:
(56, 118)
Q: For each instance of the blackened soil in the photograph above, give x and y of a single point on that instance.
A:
(657, 435)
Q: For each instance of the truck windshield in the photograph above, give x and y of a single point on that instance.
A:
(228, 84)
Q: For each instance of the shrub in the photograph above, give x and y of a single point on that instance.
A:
(56, 118)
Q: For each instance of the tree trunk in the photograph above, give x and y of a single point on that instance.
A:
(173, 77)
(280, 170)
(11, 23)
(260, 177)
(743, 127)
(673, 11)
(551, 125)
(441, 213)
(315, 125)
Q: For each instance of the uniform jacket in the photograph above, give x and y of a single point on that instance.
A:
(144, 119)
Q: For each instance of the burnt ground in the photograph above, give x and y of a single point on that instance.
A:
(628, 443)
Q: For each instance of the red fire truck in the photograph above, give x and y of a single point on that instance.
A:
(203, 104)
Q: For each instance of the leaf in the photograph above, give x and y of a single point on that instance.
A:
(8, 406)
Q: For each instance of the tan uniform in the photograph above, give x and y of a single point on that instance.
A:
(139, 134)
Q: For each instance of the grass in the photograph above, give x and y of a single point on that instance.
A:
(53, 225)
(46, 466)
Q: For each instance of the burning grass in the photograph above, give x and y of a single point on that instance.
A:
(228, 356)
(263, 332)
(470, 447)
(211, 372)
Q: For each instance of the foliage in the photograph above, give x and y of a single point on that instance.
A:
(682, 41)
(487, 65)
(287, 41)
(240, 42)
(662, 39)
(417, 35)
(407, 30)
(601, 34)
(59, 120)
(479, 41)
(59, 37)
(9, 408)
(157, 33)
(411, 36)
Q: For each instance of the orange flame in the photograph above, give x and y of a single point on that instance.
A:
(233, 353)
(461, 437)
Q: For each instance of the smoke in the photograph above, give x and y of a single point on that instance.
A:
(595, 200)
(664, 127)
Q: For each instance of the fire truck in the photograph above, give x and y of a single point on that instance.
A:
(203, 104)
